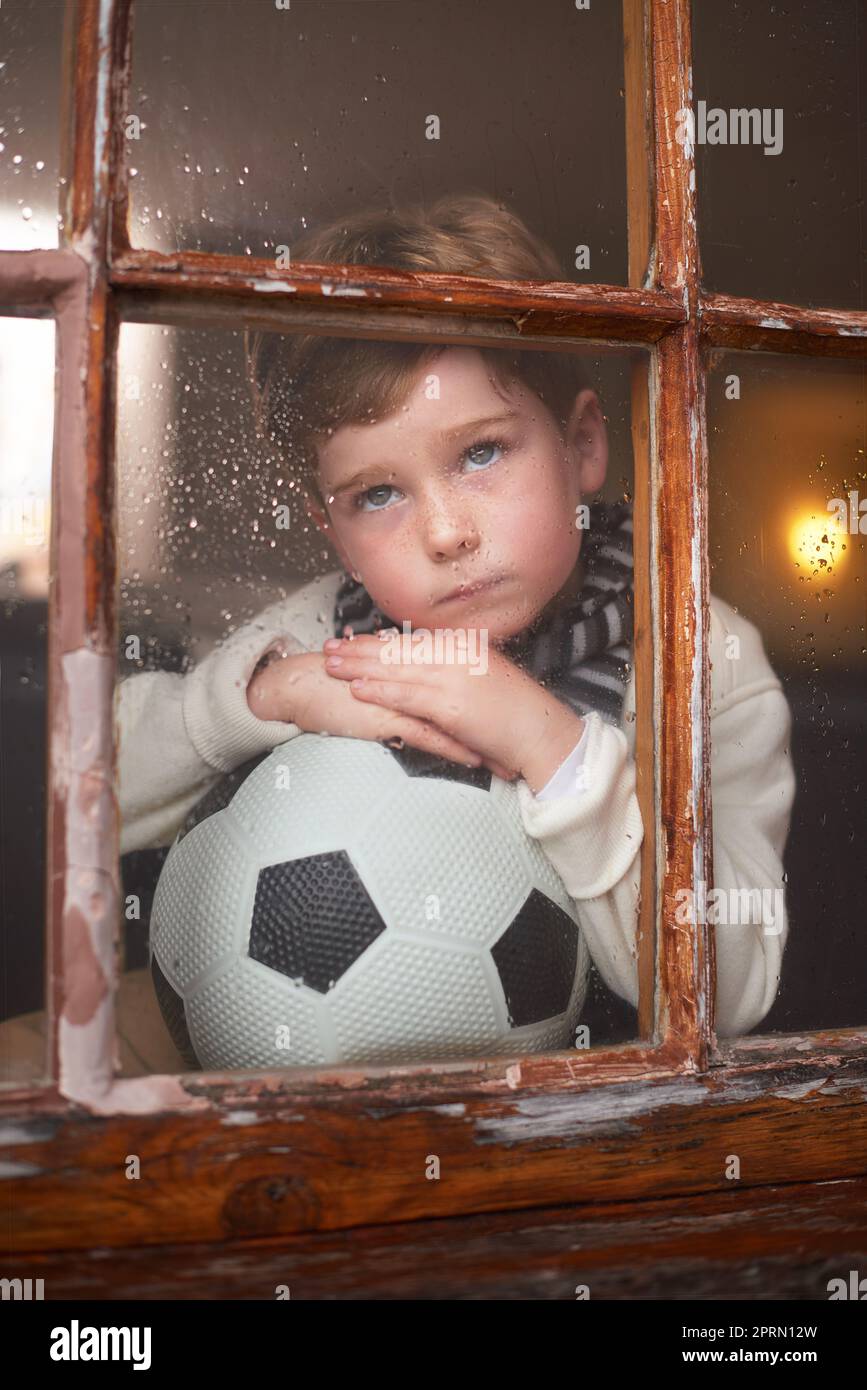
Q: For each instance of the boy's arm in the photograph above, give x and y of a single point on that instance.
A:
(593, 836)
(178, 734)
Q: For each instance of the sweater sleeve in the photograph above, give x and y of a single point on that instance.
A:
(569, 776)
(593, 841)
(178, 734)
(753, 787)
(593, 838)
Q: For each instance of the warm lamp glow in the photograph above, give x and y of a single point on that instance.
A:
(817, 542)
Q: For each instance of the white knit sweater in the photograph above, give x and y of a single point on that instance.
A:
(178, 734)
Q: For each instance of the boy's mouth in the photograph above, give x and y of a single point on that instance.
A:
(479, 586)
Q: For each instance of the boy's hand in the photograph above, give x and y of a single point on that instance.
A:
(500, 713)
(298, 690)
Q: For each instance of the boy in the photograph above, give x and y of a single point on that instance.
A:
(451, 484)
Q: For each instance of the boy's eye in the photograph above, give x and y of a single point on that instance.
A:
(479, 454)
(375, 496)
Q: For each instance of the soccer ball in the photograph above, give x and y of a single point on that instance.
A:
(340, 901)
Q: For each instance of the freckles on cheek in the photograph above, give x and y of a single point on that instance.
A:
(524, 531)
(385, 566)
(540, 540)
(365, 532)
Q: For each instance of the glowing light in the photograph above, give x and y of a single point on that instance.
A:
(817, 543)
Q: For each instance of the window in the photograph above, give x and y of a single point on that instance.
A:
(130, 289)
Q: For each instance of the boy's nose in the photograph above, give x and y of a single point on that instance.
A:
(449, 530)
(452, 540)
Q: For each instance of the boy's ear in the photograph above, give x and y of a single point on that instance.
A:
(587, 437)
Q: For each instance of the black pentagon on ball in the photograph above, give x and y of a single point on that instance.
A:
(173, 1012)
(416, 762)
(536, 958)
(312, 918)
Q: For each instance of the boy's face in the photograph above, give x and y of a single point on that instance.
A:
(464, 485)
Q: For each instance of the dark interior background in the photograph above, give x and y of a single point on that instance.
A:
(794, 439)
(329, 104)
(789, 226)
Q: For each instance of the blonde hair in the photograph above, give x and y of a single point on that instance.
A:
(305, 386)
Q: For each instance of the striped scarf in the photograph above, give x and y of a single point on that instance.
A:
(584, 651)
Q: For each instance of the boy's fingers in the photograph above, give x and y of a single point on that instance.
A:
(432, 740)
(371, 663)
(422, 702)
(365, 642)
(504, 773)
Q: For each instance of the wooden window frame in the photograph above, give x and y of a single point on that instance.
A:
(605, 1125)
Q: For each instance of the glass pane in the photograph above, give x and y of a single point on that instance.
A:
(26, 413)
(781, 147)
(788, 516)
(257, 126)
(31, 33)
(295, 900)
